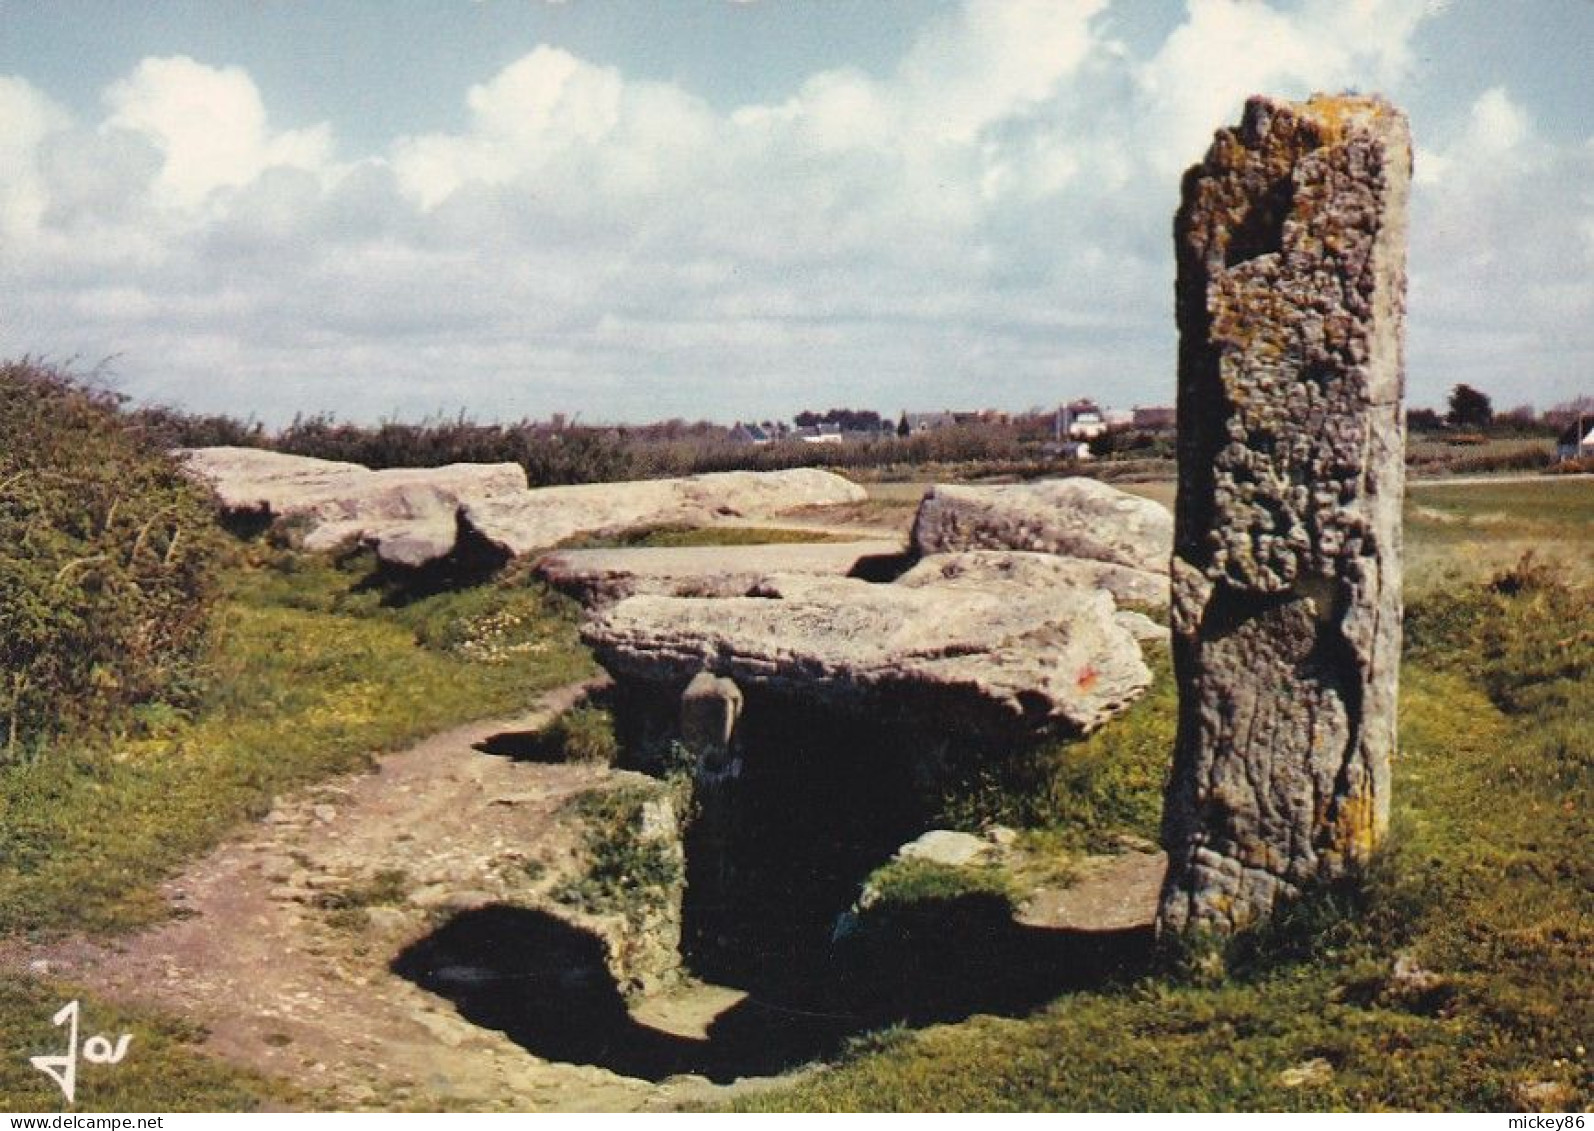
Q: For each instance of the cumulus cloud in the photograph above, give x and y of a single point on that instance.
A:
(1227, 49)
(27, 117)
(1501, 254)
(987, 221)
(210, 126)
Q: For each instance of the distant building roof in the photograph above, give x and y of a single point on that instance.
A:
(1577, 440)
(928, 421)
(748, 434)
(1577, 434)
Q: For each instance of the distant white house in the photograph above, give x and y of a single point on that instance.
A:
(819, 434)
(1080, 420)
(749, 434)
(1577, 442)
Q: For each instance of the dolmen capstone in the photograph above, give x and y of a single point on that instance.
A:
(1286, 573)
(598, 578)
(1071, 518)
(822, 714)
(416, 516)
(996, 661)
(999, 642)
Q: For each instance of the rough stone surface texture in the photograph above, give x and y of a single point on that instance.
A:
(1002, 660)
(1073, 518)
(545, 517)
(414, 516)
(982, 569)
(948, 848)
(408, 511)
(598, 578)
(1286, 570)
(710, 706)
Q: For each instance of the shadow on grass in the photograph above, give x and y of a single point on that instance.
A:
(472, 561)
(544, 984)
(538, 746)
(553, 742)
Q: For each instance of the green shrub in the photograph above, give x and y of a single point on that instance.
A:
(106, 558)
(1525, 638)
(586, 734)
(628, 871)
(902, 883)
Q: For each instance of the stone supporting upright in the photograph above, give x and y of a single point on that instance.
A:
(1291, 245)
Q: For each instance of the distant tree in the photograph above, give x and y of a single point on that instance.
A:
(902, 426)
(847, 419)
(1569, 411)
(1469, 408)
(1423, 420)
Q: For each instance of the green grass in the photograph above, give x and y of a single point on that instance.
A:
(1084, 792)
(1549, 506)
(901, 883)
(310, 679)
(585, 733)
(1468, 531)
(1485, 882)
(311, 676)
(674, 535)
(626, 872)
(163, 1069)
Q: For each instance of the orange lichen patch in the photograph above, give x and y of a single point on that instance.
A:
(1087, 678)
(1354, 832)
(1335, 113)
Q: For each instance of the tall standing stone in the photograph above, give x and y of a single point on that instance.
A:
(1291, 244)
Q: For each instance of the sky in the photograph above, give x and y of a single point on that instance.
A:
(737, 209)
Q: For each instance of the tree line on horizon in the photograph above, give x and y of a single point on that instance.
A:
(559, 452)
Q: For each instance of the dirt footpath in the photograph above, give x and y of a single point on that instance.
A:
(285, 934)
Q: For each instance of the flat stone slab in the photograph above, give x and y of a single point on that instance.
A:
(413, 509)
(1074, 518)
(983, 569)
(948, 848)
(599, 578)
(1113, 893)
(542, 518)
(415, 516)
(1000, 661)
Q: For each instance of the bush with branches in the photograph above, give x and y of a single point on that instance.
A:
(106, 560)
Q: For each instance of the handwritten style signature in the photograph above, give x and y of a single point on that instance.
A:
(96, 1050)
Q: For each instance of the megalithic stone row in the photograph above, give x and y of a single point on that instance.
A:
(1286, 574)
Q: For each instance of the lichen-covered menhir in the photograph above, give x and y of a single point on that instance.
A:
(1291, 245)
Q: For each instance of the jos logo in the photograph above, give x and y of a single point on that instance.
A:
(96, 1050)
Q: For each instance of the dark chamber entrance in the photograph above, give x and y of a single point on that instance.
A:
(774, 856)
(543, 983)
